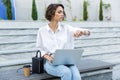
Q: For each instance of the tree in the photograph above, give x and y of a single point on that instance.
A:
(7, 3)
(85, 13)
(34, 11)
(101, 11)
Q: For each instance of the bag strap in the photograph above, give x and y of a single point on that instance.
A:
(38, 52)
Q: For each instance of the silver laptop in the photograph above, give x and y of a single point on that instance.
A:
(67, 56)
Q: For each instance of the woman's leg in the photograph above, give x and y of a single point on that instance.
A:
(75, 73)
(61, 71)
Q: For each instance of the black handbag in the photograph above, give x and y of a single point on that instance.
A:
(38, 63)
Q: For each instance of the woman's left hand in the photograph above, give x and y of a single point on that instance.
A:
(78, 33)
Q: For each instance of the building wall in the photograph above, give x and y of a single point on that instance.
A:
(23, 9)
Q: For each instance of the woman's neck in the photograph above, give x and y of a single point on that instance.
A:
(53, 25)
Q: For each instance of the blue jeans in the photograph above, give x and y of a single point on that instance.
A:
(65, 72)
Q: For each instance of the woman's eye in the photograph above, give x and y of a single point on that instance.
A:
(60, 12)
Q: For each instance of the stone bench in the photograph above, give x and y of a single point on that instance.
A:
(90, 70)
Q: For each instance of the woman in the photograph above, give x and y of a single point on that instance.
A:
(56, 36)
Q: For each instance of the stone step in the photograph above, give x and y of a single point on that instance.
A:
(9, 52)
(16, 38)
(17, 46)
(88, 50)
(93, 34)
(96, 42)
(100, 50)
(111, 58)
(6, 35)
(9, 63)
(17, 42)
(16, 59)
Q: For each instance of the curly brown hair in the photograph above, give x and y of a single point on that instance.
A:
(50, 12)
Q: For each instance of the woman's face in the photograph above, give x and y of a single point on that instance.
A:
(59, 14)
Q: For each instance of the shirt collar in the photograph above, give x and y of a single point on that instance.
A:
(59, 27)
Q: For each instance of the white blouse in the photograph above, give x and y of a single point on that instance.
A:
(48, 41)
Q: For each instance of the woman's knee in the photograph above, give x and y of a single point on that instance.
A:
(66, 72)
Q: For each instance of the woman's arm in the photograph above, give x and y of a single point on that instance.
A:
(77, 32)
(39, 46)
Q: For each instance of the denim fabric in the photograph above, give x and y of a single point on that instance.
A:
(63, 71)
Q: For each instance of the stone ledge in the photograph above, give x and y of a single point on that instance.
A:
(95, 75)
(37, 24)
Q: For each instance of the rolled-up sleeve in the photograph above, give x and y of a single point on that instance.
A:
(39, 44)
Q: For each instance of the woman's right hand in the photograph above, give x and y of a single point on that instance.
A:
(49, 58)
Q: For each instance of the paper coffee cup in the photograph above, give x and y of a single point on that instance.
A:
(26, 69)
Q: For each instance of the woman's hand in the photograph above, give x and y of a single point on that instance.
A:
(78, 33)
(49, 58)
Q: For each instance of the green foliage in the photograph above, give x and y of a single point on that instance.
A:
(85, 13)
(7, 3)
(101, 11)
(4, 1)
(34, 11)
(9, 11)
